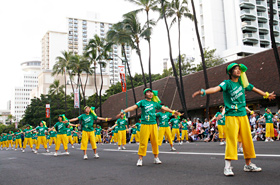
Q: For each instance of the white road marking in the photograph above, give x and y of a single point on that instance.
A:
(190, 153)
(52, 153)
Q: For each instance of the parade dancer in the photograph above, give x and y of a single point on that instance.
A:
(175, 128)
(184, 125)
(52, 137)
(28, 138)
(98, 134)
(220, 118)
(69, 135)
(18, 139)
(41, 139)
(133, 134)
(148, 123)
(10, 140)
(122, 130)
(269, 127)
(75, 136)
(87, 129)
(236, 117)
(164, 128)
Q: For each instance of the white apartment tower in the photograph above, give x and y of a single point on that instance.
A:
(21, 94)
(75, 38)
(236, 28)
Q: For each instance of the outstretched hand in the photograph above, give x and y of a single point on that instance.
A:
(196, 93)
(176, 113)
(119, 115)
(272, 96)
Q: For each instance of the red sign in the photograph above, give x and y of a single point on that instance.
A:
(48, 110)
(76, 98)
(122, 77)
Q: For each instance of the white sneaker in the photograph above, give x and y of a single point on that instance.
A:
(137, 143)
(115, 143)
(271, 140)
(7, 148)
(73, 146)
(23, 151)
(221, 143)
(266, 140)
(129, 142)
(157, 161)
(35, 152)
(55, 154)
(139, 162)
(67, 153)
(187, 142)
(123, 148)
(15, 149)
(119, 148)
(110, 143)
(1, 148)
(240, 150)
(252, 168)
(47, 151)
(96, 156)
(49, 146)
(228, 172)
(85, 157)
(173, 149)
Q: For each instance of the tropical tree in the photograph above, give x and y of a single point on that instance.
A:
(210, 59)
(164, 5)
(202, 60)
(272, 37)
(177, 10)
(147, 5)
(133, 26)
(120, 36)
(56, 88)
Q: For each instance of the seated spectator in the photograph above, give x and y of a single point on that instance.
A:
(200, 134)
(206, 124)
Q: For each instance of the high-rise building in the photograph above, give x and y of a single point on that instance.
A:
(75, 38)
(9, 105)
(236, 28)
(21, 94)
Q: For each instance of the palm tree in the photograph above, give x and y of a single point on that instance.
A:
(202, 59)
(164, 5)
(147, 5)
(56, 88)
(133, 25)
(178, 10)
(119, 35)
(272, 37)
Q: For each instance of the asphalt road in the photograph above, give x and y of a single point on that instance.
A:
(194, 163)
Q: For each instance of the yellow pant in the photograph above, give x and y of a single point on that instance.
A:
(132, 137)
(222, 133)
(148, 131)
(41, 140)
(238, 126)
(69, 138)
(185, 134)
(18, 142)
(269, 130)
(164, 131)
(137, 136)
(27, 141)
(61, 138)
(34, 141)
(177, 132)
(114, 138)
(98, 138)
(75, 140)
(52, 141)
(122, 137)
(9, 142)
(88, 136)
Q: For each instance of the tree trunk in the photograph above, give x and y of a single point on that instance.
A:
(172, 62)
(65, 94)
(141, 63)
(272, 37)
(100, 90)
(85, 88)
(203, 61)
(149, 43)
(96, 98)
(71, 81)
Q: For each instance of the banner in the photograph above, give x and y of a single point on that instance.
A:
(122, 77)
(48, 110)
(76, 98)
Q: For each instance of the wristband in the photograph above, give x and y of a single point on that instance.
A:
(204, 93)
(266, 95)
(106, 119)
(173, 112)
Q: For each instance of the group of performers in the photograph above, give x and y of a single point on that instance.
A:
(234, 124)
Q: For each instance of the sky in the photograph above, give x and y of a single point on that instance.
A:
(24, 23)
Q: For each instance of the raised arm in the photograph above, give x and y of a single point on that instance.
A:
(176, 113)
(270, 96)
(104, 119)
(207, 91)
(72, 120)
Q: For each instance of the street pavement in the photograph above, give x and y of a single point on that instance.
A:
(192, 163)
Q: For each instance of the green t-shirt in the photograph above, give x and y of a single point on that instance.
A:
(148, 108)
(133, 130)
(234, 97)
(53, 133)
(138, 126)
(10, 137)
(116, 129)
(18, 136)
(61, 128)
(27, 134)
(221, 121)
(68, 131)
(184, 125)
(48, 136)
(75, 134)
(164, 118)
(121, 123)
(33, 136)
(87, 122)
(41, 131)
(98, 131)
(175, 122)
(4, 138)
(268, 117)
(0, 139)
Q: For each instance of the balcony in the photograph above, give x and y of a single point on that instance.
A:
(276, 30)
(277, 40)
(247, 4)
(261, 5)
(264, 39)
(250, 38)
(262, 17)
(275, 8)
(248, 14)
(263, 28)
(249, 26)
